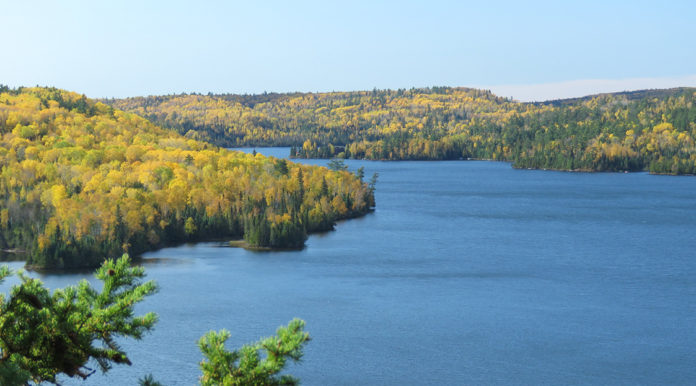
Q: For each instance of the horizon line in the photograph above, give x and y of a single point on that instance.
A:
(527, 93)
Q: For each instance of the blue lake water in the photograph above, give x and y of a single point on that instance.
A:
(468, 272)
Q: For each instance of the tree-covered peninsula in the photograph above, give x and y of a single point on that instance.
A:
(81, 181)
(646, 130)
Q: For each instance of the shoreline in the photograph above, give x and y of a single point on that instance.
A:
(235, 242)
(580, 170)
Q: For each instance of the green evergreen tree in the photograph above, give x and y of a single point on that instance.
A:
(246, 366)
(337, 164)
(148, 380)
(360, 173)
(281, 166)
(43, 334)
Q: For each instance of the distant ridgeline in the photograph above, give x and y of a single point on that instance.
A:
(644, 130)
(82, 181)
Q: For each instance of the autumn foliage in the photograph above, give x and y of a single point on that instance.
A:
(81, 181)
(646, 130)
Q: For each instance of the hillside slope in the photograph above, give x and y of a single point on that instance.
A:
(82, 181)
(644, 130)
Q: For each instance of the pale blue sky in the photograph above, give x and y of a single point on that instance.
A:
(127, 48)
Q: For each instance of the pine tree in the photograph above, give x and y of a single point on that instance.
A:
(246, 366)
(337, 164)
(43, 334)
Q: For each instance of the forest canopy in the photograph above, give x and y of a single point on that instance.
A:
(646, 130)
(81, 181)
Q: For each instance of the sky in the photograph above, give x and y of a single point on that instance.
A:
(527, 50)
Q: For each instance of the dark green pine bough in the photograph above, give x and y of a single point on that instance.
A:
(45, 335)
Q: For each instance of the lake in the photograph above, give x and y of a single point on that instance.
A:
(468, 272)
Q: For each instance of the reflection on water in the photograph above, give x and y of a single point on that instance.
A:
(9, 255)
(467, 273)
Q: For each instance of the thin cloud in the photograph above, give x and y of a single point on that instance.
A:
(579, 88)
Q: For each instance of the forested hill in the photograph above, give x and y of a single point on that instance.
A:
(646, 130)
(628, 95)
(81, 181)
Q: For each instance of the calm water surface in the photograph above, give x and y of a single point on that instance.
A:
(467, 273)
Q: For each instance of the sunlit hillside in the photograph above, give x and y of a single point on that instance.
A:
(648, 130)
(81, 181)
